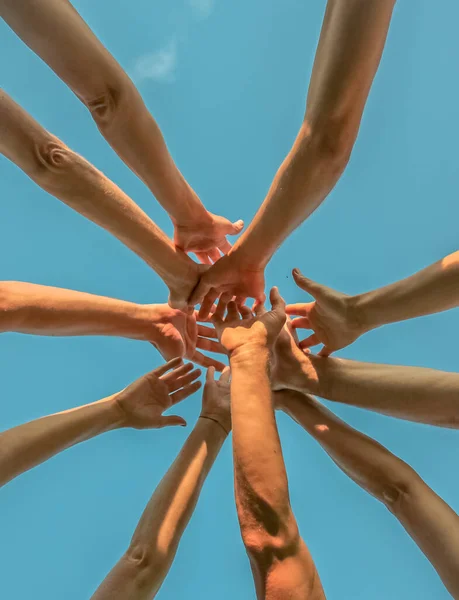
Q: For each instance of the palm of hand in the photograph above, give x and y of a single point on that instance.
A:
(144, 401)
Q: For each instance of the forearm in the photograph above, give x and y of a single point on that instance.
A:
(363, 459)
(141, 571)
(347, 57)
(261, 485)
(432, 290)
(412, 393)
(26, 446)
(56, 32)
(44, 310)
(69, 177)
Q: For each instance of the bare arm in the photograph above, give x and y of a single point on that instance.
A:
(349, 51)
(141, 571)
(337, 319)
(432, 524)
(140, 405)
(56, 32)
(69, 177)
(281, 563)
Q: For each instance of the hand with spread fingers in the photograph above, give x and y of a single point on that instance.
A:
(243, 329)
(330, 316)
(143, 403)
(206, 238)
(216, 398)
(232, 276)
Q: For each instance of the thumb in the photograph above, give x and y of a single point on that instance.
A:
(171, 421)
(309, 286)
(236, 227)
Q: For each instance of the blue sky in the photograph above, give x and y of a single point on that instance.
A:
(227, 83)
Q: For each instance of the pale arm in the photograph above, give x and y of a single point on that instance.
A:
(69, 177)
(432, 524)
(27, 446)
(141, 571)
(280, 561)
(56, 32)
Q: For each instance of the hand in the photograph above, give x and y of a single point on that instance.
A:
(181, 287)
(331, 316)
(231, 275)
(176, 334)
(207, 237)
(260, 330)
(291, 367)
(216, 399)
(143, 402)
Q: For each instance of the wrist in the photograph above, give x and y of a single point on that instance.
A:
(253, 257)
(188, 210)
(223, 424)
(250, 354)
(115, 416)
(363, 315)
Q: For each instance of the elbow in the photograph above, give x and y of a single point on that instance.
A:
(264, 546)
(397, 489)
(145, 567)
(53, 164)
(111, 102)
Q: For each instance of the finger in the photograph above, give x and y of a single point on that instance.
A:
(209, 316)
(210, 346)
(312, 340)
(221, 306)
(206, 361)
(301, 323)
(236, 227)
(203, 258)
(325, 351)
(199, 292)
(210, 374)
(299, 310)
(171, 421)
(226, 375)
(173, 375)
(207, 303)
(259, 301)
(309, 286)
(172, 364)
(259, 309)
(184, 392)
(214, 255)
(225, 247)
(240, 300)
(207, 332)
(233, 314)
(277, 302)
(182, 382)
(245, 312)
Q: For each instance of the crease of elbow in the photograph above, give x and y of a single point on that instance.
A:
(396, 490)
(52, 162)
(333, 140)
(110, 102)
(145, 563)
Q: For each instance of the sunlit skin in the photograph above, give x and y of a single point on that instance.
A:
(432, 523)
(281, 564)
(347, 58)
(141, 571)
(45, 310)
(337, 319)
(141, 406)
(70, 178)
(55, 31)
(411, 393)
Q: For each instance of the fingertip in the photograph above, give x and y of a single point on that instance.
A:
(238, 225)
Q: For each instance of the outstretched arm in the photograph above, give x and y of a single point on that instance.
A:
(349, 51)
(337, 319)
(69, 177)
(56, 32)
(141, 571)
(432, 524)
(140, 405)
(281, 563)
(411, 393)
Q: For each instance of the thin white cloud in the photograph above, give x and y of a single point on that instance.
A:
(159, 65)
(202, 8)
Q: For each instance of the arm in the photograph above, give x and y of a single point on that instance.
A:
(281, 563)
(69, 177)
(411, 393)
(432, 524)
(56, 32)
(141, 571)
(43, 310)
(140, 405)
(337, 319)
(349, 51)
